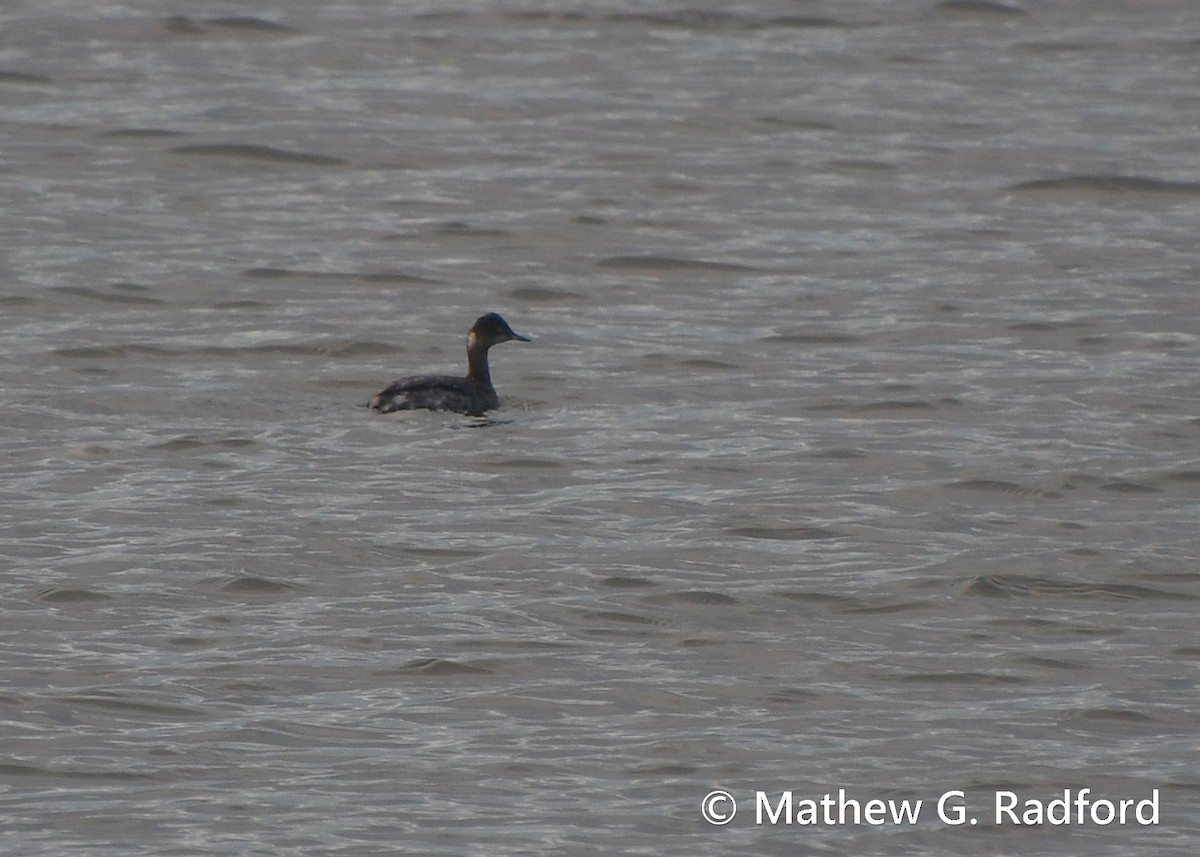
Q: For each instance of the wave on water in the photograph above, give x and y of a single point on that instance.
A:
(69, 595)
(255, 153)
(252, 585)
(141, 133)
(655, 263)
(690, 19)
(326, 348)
(24, 78)
(190, 443)
(791, 534)
(982, 8)
(692, 598)
(1018, 585)
(462, 229)
(389, 277)
(436, 667)
(118, 293)
(1004, 487)
(1106, 184)
(185, 26)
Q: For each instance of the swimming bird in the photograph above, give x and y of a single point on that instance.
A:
(471, 395)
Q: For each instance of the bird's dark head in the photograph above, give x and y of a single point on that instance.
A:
(492, 329)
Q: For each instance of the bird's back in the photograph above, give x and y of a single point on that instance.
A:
(436, 393)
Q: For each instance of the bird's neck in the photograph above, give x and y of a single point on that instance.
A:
(477, 363)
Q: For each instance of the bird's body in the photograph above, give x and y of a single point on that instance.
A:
(436, 393)
(472, 394)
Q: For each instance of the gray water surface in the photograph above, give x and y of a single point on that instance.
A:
(857, 446)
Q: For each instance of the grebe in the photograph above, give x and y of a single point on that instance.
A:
(471, 395)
